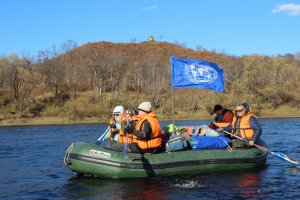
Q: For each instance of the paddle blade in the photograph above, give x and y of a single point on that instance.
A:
(285, 157)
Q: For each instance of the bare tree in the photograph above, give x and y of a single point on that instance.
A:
(117, 69)
(54, 71)
(13, 67)
(68, 46)
(3, 66)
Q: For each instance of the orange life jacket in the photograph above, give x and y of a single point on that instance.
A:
(244, 128)
(155, 140)
(122, 136)
(222, 124)
(112, 121)
(122, 120)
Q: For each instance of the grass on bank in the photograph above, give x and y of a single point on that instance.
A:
(88, 108)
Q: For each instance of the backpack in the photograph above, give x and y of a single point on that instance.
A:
(176, 143)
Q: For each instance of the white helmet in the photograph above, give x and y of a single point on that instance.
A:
(119, 110)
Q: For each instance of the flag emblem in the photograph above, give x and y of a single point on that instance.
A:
(200, 73)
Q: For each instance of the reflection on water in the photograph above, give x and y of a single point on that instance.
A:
(291, 169)
(243, 184)
(96, 188)
(247, 184)
(32, 168)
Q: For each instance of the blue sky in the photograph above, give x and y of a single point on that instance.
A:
(236, 27)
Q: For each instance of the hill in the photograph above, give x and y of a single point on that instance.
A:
(85, 83)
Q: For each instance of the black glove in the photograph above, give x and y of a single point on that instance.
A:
(115, 132)
(246, 143)
(128, 129)
(112, 126)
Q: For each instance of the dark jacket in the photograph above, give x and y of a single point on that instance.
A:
(145, 132)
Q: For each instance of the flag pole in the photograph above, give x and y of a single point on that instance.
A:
(173, 109)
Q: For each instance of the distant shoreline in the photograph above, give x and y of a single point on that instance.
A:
(70, 122)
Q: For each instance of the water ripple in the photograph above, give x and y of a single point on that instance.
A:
(32, 168)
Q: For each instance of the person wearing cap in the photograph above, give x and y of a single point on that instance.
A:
(245, 124)
(223, 115)
(146, 133)
(120, 120)
(115, 122)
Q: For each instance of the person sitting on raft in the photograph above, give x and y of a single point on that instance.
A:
(245, 124)
(120, 120)
(223, 115)
(115, 122)
(131, 119)
(146, 132)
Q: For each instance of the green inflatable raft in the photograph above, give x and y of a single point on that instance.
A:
(94, 160)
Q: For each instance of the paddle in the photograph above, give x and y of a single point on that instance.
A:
(278, 154)
(102, 137)
(107, 131)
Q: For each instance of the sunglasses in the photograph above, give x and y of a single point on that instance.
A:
(116, 115)
(237, 111)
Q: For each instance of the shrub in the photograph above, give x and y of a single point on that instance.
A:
(36, 108)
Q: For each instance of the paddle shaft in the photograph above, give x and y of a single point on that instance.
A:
(280, 155)
(126, 143)
(247, 141)
(103, 135)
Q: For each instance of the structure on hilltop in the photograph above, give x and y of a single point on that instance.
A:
(151, 38)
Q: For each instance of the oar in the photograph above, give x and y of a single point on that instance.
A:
(278, 154)
(107, 131)
(101, 138)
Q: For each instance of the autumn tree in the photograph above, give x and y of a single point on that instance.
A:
(12, 71)
(52, 69)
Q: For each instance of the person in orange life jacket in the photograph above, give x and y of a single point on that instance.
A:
(115, 122)
(245, 124)
(120, 120)
(135, 117)
(130, 119)
(147, 133)
(223, 115)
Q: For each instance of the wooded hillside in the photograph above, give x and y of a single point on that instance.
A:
(83, 84)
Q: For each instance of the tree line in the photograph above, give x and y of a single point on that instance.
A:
(88, 81)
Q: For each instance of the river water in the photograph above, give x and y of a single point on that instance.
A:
(31, 160)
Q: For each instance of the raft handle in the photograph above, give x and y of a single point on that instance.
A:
(67, 159)
(136, 158)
